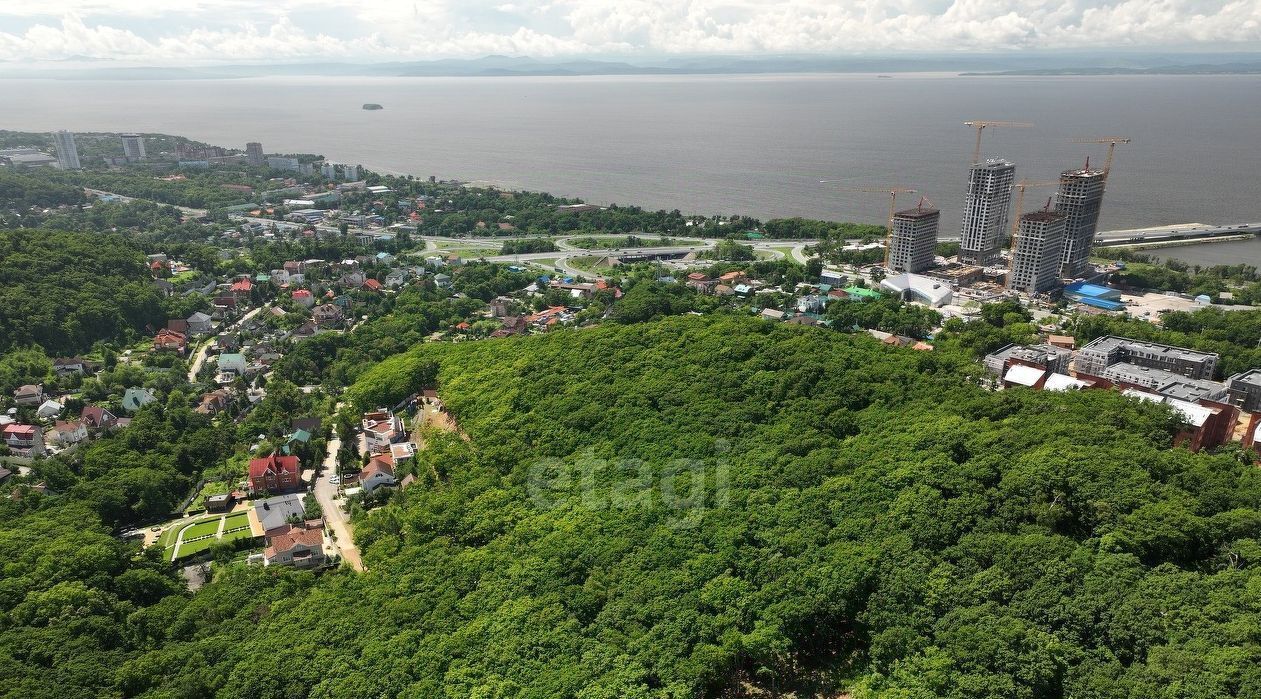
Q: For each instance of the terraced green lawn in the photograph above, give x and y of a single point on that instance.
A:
(194, 548)
(202, 529)
(199, 534)
(236, 521)
(233, 536)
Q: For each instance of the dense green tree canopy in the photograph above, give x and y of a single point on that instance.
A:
(64, 291)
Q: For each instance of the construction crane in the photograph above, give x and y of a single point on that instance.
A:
(981, 124)
(893, 193)
(1112, 142)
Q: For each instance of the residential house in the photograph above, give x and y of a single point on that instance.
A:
(241, 289)
(512, 325)
(310, 424)
(701, 282)
(297, 545)
(136, 398)
(275, 512)
(214, 402)
(327, 314)
(67, 433)
(274, 474)
(225, 305)
(378, 472)
(352, 280)
(372, 285)
(304, 298)
(733, 278)
(381, 428)
(772, 314)
(232, 363)
(23, 440)
(30, 394)
(169, 340)
(307, 329)
(49, 409)
(97, 418)
(442, 280)
(396, 278)
(65, 366)
(199, 324)
(811, 303)
(294, 439)
(221, 502)
(585, 291)
(402, 452)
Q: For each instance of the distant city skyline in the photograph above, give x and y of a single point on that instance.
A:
(218, 31)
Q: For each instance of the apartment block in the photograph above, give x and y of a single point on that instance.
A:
(1096, 357)
(985, 211)
(913, 244)
(1079, 198)
(1035, 261)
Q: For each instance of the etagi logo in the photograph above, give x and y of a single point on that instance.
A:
(684, 488)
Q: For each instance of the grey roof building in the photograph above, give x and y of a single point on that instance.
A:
(1096, 357)
(1054, 358)
(276, 512)
(1244, 389)
(1166, 383)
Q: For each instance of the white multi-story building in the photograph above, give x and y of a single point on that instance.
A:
(328, 170)
(350, 173)
(1079, 198)
(133, 146)
(67, 152)
(985, 211)
(1035, 261)
(913, 243)
(279, 163)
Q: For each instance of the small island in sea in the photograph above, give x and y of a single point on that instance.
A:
(372, 106)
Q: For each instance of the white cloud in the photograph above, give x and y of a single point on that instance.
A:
(199, 31)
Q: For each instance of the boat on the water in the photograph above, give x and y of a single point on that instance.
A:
(372, 106)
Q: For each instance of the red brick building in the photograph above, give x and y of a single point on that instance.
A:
(274, 474)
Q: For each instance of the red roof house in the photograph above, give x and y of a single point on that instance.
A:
(170, 340)
(274, 474)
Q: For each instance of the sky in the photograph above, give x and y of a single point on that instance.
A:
(199, 32)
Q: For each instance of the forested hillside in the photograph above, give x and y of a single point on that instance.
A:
(64, 291)
(712, 507)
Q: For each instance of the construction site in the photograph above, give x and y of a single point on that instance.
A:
(1039, 255)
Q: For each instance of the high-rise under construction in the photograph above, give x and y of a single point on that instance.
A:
(1036, 256)
(985, 211)
(913, 242)
(1079, 198)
